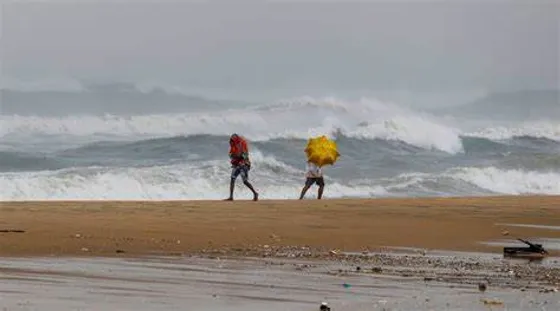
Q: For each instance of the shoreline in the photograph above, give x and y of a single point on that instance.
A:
(247, 198)
(137, 228)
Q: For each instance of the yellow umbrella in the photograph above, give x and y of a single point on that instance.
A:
(321, 151)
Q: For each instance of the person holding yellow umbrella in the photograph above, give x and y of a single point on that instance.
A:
(320, 151)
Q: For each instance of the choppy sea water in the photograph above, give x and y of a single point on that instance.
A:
(387, 150)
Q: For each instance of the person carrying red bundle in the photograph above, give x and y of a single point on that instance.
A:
(240, 163)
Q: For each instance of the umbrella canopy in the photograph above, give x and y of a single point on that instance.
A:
(321, 151)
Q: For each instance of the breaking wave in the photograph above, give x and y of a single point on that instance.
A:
(297, 119)
(386, 150)
(272, 178)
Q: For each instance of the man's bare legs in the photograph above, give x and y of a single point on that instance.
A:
(320, 192)
(307, 186)
(246, 183)
(303, 191)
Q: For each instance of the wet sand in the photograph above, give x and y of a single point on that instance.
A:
(193, 283)
(109, 228)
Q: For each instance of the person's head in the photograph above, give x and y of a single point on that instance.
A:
(233, 138)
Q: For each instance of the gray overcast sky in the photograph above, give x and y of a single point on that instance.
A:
(414, 45)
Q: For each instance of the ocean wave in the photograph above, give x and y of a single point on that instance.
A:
(510, 181)
(271, 177)
(470, 181)
(544, 129)
(536, 162)
(392, 154)
(206, 180)
(290, 119)
(516, 146)
(300, 118)
(22, 161)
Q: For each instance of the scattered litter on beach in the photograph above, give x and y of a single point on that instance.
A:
(12, 231)
(275, 237)
(532, 251)
(259, 283)
(376, 270)
(548, 290)
(492, 302)
(334, 252)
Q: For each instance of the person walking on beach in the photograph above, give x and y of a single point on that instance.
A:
(314, 175)
(240, 163)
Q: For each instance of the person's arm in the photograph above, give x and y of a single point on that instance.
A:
(244, 150)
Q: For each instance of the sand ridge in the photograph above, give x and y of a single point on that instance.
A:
(130, 228)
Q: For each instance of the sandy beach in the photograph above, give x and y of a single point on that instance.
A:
(397, 254)
(129, 228)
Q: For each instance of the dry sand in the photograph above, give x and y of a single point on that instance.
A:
(109, 228)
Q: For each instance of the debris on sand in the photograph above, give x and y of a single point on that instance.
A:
(492, 302)
(376, 270)
(482, 287)
(11, 231)
(275, 237)
(534, 251)
(548, 290)
(445, 268)
(324, 307)
(334, 252)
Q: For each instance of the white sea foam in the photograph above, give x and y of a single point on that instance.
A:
(272, 178)
(510, 181)
(544, 129)
(298, 118)
(206, 180)
(468, 181)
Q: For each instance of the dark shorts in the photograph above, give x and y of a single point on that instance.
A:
(314, 180)
(242, 170)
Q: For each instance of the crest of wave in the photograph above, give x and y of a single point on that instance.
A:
(544, 129)
(415, 130)
(370, 119)
(297, 118)
(471, 180)
(510, 181)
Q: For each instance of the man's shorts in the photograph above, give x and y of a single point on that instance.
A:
(314, 180)
(242, 170)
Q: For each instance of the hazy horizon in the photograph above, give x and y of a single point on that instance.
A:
(412, 46)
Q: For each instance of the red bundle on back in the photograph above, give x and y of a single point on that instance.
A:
(238, 150)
